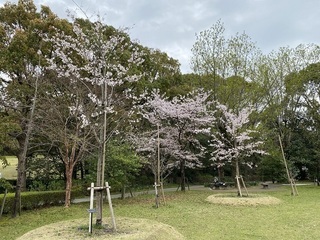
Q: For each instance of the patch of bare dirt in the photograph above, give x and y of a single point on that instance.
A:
(251, 200)
(127, 228)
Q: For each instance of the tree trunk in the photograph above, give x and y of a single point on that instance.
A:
(99, 199)
(69, 171)
(102, 158)
(99, 194)
(22, 162)
(183, 174)
(237, 168)
(220, 173)
(21, 175)
(82, 171)
(238, 177)
(3, 202)
(123, 191)
(23, 139)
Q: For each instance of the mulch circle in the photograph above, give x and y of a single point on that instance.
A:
(251, 200)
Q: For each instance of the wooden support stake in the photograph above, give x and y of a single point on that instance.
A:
(162, 191)
(290, 179)
(244, 185)
(294, 186)
(239, 187)
(156, 194)
(111, 208)
(91, 210)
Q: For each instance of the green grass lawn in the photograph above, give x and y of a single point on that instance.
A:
(295, 218)
(10, 172)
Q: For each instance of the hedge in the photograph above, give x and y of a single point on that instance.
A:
(34, 200)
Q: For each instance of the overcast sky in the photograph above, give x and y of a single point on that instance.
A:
(172, 25)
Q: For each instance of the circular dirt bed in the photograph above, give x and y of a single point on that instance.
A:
(251, 200)
(127, 228)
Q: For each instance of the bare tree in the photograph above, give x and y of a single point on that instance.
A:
(64, 124)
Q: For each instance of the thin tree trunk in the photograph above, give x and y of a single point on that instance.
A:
(82, 171)
(183, 175)
(3, 202)
(99, 198)
(22, 162)
(69, 171)
(23, 140)
(24, 143)
(237, 178)
(100, 179)
(220, 173)
(100, 176)
(21, 177)
(123, 191)
(102, 159)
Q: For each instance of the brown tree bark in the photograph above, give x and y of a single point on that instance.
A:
(69, 171)
(23, 140)
(183, 174)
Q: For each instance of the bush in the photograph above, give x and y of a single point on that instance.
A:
(251, 183)
(37, 186)
(205, 178)
(45, 184)
(5, 185)
(34, 200)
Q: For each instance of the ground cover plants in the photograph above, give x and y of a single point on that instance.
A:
(192, 216)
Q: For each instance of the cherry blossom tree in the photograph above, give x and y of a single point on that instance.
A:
(233, 141)
(103, 60)
(146, 145)
(180, 120)
(152, 146)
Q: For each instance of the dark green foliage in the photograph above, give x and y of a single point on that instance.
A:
(204, 178)
(43, 185)
(8, 129)
(272, 169)
(44, 169)
(35, 200)
(123, 165)
(4, 184)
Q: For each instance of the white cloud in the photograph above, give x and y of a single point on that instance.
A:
(171, 25)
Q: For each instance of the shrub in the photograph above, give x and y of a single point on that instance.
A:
(34, 200)
(5, 185)
(205, 178)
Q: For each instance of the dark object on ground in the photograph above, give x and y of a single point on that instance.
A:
(218, 185)
(265, 185)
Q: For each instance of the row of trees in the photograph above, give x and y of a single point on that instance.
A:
(68, 88)
(281, 86)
